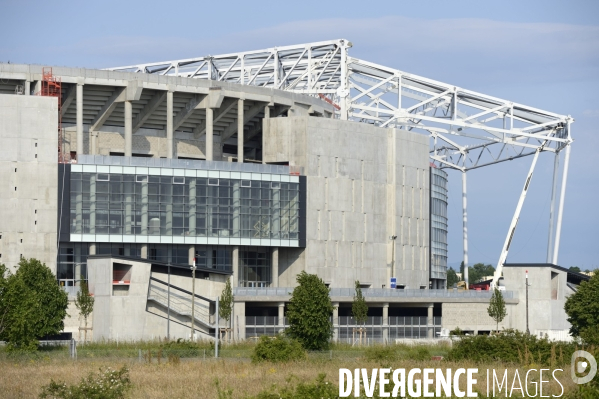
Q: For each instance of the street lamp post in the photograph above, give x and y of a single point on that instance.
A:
(193, 298)
(168, 307)
(527, 285)
(392, 238)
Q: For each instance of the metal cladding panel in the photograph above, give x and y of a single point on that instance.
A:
(64, 202)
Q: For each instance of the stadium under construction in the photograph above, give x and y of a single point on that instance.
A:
(256, 166)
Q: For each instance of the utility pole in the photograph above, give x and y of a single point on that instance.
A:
(217, 329)
(193, 299)
(527, 329)
(168, 308)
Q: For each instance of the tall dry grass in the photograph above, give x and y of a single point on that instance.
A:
(196, 378)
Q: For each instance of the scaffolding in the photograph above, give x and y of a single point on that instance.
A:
(52, 87)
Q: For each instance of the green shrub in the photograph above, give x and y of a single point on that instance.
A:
(378, 353)
(318, 389)
(182, 348)
(419, 353)
(277, 349)
(386, 354)
(512, 346)
(108, 384)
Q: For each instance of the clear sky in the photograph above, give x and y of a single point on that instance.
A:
(541, 53)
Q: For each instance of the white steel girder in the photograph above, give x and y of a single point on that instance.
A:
(471, 129)
(468, 130)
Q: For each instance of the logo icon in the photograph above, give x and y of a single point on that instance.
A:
(589, 364)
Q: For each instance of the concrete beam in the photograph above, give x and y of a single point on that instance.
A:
(134, 91)
(187, 111)
(68, 99)
(240, 154)
(128, 132)
(79, 117)
(147, 111)
(225, 107)
(247, 116)
(107, 109)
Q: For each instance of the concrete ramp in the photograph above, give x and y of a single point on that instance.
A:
(180, 302)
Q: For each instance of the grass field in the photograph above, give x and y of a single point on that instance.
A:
(194, 377)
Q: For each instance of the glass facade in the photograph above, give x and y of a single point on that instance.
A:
(176, 206)
(254, 267)
(438, 224)
(72, 263)
(254, 262)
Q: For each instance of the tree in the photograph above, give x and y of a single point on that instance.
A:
(309, 312)
(582, 309)
(225, 306)
(496, 307)
(452, 278)
(85, 303)
(3, 308)
(478, 271)
(359, 309)
(35, 305)
(575, 269)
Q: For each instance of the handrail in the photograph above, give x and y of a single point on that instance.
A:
(182, 290)
(180, 305)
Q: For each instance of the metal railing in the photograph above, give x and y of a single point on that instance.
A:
(187, 164)
(398, 327)
(180, 302)
(377, 292)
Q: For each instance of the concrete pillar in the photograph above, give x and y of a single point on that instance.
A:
(209, 134)
(92, 248)
(235, 261)
(430, 330)
(27, 89)
(240, 139)
(144, 251)
(385, 322)
(281, 316)
(239, 322)
(92, 143)
(170, 144)
(37, 86)
(191, 254)
(78, 261)
(128, 128)
(264, 130)
(335, 321)
(79, 119)
(274, 267)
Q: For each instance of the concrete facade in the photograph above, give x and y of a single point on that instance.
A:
(547, 293)
(28, 179)
(365, 191)
(130, 310)
(365, 184)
